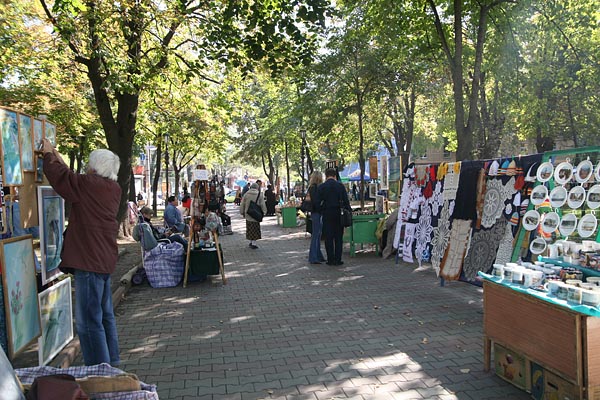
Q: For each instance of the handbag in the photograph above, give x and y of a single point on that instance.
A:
(254, 210)
(307, 204)
(345, 217)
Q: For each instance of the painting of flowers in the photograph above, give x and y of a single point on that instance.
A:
(25, 130)
(52, 224)
(56, 314)
(11, 156)
(21, 303)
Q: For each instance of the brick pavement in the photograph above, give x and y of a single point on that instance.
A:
(285, 329)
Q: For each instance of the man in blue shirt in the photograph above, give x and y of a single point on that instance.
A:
(173, 217)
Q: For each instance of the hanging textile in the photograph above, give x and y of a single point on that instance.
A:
(451, 176)
(451, 265)
(504, 253)
(441, 236)
(482, 250)
(409, 237)
(423, 232)
(496, 195)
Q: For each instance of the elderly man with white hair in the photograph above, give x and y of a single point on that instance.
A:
(90, 249)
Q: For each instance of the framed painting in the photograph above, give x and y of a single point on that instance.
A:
(51, 213)
(394, 168)
(56, 314)
(11, 156)
(39, 167)
(21, 303)
(50, 132)
(384, 173)
(38, 133)
(372, 189)
(25, 132)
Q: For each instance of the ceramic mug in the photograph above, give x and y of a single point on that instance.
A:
(517, 275)
(552, 250)
(574, 294)
(562, 291)
(593, 279)
(508, 273)
(590, 297)
(573, 282)
(528, 278)
(498, 270)
(552, 287)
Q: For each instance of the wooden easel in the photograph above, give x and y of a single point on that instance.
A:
(198, 209)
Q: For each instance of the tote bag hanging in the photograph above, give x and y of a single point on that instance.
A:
(254, 210)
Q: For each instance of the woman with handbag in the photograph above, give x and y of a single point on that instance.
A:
(315, 255)
(252, 208)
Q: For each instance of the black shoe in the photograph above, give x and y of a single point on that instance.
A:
(315, 262)
(339, 263)
(328, 263)
(253, 246)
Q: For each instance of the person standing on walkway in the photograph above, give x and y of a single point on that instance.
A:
(270, 200)
(332, 197)
(90, 248)
(252, 226)
(315, 255)
(173, 217)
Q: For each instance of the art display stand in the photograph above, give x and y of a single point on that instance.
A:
(564, 343)
(202, 258)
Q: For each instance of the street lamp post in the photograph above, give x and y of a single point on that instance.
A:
(166, 139)
(303, 135)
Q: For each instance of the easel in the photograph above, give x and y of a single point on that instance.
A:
(199, 207)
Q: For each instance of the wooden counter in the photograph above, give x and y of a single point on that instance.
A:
(564, 342)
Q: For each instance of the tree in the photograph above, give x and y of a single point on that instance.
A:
(126, 46)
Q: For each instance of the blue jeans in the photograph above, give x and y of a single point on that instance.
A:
(315, 254)
(95, 319)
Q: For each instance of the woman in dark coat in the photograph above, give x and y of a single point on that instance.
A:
(270, 200)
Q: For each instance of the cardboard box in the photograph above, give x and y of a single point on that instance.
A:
(510, 366)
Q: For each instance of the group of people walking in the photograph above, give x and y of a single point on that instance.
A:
(325, 200)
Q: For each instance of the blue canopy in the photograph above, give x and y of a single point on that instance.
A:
(241, 182)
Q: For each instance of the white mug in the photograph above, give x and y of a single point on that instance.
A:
(590, 297)
(552, 287)
(498, 270)
(574, 294)
(552, 250)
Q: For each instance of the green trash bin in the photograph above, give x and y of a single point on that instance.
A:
(289, 217)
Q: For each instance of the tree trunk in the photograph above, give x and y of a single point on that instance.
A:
(361, 147)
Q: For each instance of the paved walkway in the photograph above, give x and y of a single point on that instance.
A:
(285, 329)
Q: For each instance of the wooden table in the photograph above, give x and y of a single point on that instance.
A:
(561, 340)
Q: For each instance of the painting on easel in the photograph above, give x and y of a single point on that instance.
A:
(52, 224)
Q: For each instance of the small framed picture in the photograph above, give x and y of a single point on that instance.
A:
(51, 211)
(372, 190)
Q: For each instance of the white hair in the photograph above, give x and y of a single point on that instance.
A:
(104, 163)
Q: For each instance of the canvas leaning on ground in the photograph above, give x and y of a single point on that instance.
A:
(56, 314)
(20, 293)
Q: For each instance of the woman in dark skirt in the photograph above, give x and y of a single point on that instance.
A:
(252, 226)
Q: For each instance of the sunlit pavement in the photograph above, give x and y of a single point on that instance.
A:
(282, 328)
